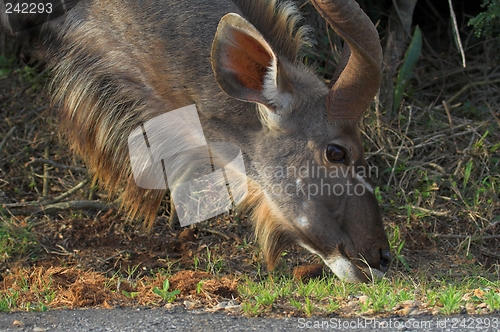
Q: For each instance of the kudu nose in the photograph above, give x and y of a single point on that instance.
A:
(385, 260)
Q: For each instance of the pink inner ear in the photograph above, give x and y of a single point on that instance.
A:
(247, 59)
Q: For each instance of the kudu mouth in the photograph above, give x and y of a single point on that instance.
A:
(354, 270)
(358, 270)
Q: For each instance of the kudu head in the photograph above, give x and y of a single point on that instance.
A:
(309, 182)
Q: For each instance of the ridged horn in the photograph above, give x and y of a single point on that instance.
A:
(360, 80)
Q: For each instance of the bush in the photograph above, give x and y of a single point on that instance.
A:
(487, 23)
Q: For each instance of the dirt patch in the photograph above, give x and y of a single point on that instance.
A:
(203, 284)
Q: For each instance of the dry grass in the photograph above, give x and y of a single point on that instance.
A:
(440, 155)
(38, 288)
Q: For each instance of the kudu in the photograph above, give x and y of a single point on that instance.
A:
(117, 64)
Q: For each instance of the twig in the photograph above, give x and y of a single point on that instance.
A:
(494, 115)
(66, 194)
(2, 43)
(27, 115)
(457, 236)
(436, 166)
(115, 255)
(434, 139)
(442, 132)
(26, 87)
(45, 187)
(51, 201)
(489, 253)
(448, 113)
(11, 131)
(64, 206)
(57, 165)
(434, 213)
(457, 33)
(444, 75)
(434, 11)
(470, 85)
(17, 94)
(63, 252)
(401, 147)
(400, 16)
(218, 233)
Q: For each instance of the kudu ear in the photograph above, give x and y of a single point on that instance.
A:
(245, 65)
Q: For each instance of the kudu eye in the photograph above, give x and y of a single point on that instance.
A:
(335, 154)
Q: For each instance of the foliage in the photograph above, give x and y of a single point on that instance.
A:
(5, 66)
(487, 23)
(165, 294)
(406, 71)
(15, 240)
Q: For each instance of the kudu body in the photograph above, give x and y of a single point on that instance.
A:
(118, 64)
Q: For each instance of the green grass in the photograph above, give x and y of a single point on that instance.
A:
(16, 240)
(329, 295)
(165, 293)
(215, 263)
(396, 243)
(492, 299)
(42, 294)
(210, 261)
(451, 299)
(8, 300)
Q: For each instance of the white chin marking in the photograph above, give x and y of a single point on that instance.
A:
(347, 271)
(343, 268)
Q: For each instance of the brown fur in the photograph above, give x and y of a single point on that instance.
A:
(97, 113)
(119, 63)
(270, 230)
(278, 21)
